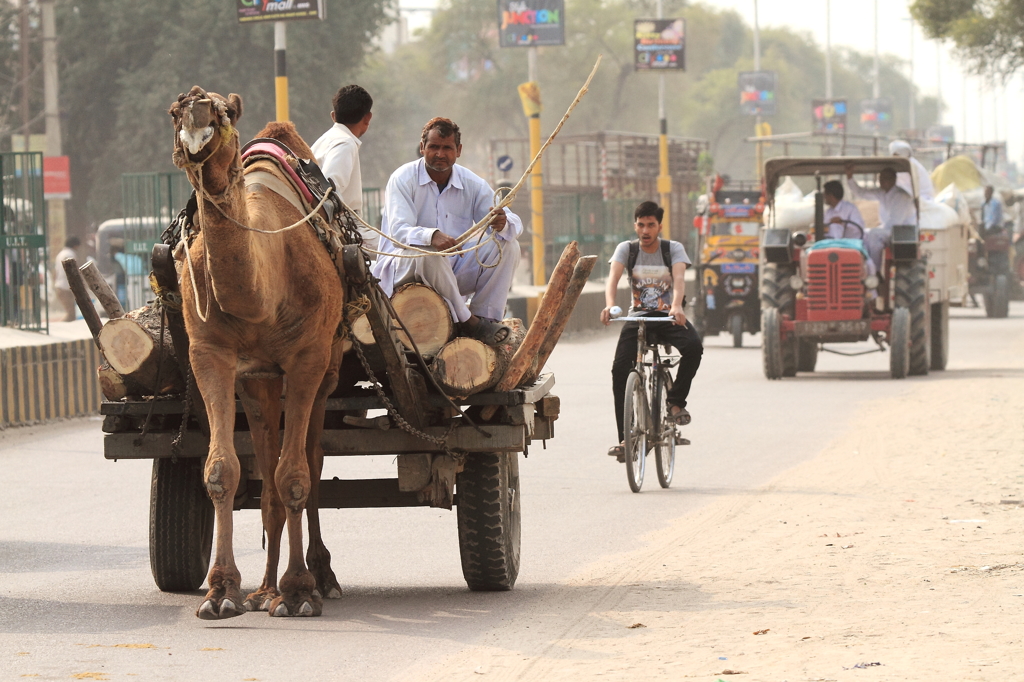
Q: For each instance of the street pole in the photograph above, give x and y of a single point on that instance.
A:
(938, 74)
(56, 224)
(828, 49)
(664, 178)
(537, 177)
(876, 86)
(280, 70)
(912, 121)
(759, 151)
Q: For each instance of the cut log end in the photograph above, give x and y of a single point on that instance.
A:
(425, 313)
(466, 366)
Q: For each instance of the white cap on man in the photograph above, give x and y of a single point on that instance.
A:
(901, 148)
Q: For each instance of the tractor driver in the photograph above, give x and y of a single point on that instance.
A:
(657, 269)
(842, 218)
(895, 207)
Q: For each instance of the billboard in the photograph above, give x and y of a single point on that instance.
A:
(757, 92)
(828, 116)
(529, 23)
(876, 115)
(659, 45)
(279, 10)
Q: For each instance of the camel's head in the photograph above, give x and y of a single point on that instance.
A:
(203, 123)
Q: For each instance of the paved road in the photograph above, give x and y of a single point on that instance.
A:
(76, 594)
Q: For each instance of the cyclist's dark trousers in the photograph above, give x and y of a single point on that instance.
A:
(683, 339)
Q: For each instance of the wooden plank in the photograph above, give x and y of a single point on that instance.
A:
(336, 442)
(349, 494)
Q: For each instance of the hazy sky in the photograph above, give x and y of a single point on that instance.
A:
(985, 114)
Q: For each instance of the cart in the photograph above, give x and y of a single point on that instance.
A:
(447, 455)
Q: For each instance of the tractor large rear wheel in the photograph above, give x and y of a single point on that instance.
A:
(912, 294)
(778, 294)
(807, 355)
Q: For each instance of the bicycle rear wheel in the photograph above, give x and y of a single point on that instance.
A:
(634, 428)
(665, 445)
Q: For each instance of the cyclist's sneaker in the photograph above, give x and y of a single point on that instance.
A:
(679, 415)
(618, 452)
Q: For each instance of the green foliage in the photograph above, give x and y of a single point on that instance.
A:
(457, 70)
(123, 62)
(987, 34)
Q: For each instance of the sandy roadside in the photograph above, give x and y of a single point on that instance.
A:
(896, 554)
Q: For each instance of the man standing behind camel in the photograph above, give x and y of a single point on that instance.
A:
(337, 150)
(429, 203)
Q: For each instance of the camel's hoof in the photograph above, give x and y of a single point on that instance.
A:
(334, 593)
(256, 604)
(281, 611)
(228, 609)
(306, 609)
(316, 592)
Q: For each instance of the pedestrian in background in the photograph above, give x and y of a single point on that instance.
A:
(60, 279)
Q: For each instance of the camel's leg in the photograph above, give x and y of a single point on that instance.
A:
(261, 399)
(305, 375)
(215, 375)
(318, 559)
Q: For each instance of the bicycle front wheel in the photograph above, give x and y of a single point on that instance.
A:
(665, 445)
(635, 431)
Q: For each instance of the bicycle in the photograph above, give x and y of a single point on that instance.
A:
(647, 422)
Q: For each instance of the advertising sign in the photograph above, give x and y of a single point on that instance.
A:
(659, 45)
(757, 93)
(279, 10)
(529, 23)
(876, 115)
(56, 177)
(828, 116)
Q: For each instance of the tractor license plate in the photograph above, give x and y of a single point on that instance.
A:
(824, 328)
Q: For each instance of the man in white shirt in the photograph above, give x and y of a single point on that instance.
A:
(842, 219)
(61, 288)
(925, 188)
(429, 203)
(895, 207)
(991, 212)
(337, 150)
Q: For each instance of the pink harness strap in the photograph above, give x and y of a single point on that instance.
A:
(277, 154)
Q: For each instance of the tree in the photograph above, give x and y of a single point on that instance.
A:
(122, 63)
(988, 34)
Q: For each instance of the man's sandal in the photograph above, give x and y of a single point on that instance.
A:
(490, 332)
(618, 452)
(678, 414)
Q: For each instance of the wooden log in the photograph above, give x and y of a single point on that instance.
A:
(425, 313)
(77, 284)
(115, 386)
(465, 366)
(524, 358)
(361, 330)
(131, 345)
(104, 294)
(580, 275)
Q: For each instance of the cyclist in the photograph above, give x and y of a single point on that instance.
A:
(657, 268)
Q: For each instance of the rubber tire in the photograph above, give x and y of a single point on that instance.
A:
(180, 525)
(899, 343)
(634, 426)
(807, 355)
(771, 343)
(667, 466)
(998, 304)
(736, 329)
(912, 294)
(489, 517)
(777, 293)
(940, 335)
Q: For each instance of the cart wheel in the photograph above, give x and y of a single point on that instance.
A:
(1000, 299)
(899, 343)
(736, 328)
(489, 517)
(635, 415)
(180, 525)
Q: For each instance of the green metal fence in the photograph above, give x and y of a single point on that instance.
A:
(23, 281)
(373, 204)
(597, 225)
(149, 201)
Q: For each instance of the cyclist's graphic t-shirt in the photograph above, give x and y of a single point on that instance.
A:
(651, 279)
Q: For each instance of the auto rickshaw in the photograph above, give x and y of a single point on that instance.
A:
(728, 225)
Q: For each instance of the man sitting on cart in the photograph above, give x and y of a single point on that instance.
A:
(657, 268)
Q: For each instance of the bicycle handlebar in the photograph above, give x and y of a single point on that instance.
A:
(642, 319)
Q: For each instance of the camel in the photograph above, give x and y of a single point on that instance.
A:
(257, 306)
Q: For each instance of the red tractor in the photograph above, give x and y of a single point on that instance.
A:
(816, 290)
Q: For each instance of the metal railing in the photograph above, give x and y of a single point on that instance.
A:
(23, 261)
